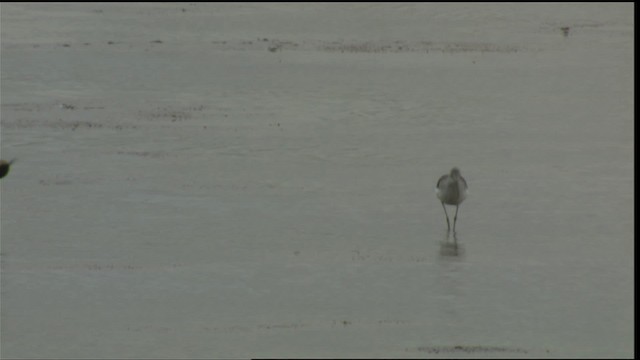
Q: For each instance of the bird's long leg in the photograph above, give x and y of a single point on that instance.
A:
(447, 215)
(455, 218)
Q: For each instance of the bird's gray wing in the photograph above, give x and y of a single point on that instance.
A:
(464, 182)
(440, 180)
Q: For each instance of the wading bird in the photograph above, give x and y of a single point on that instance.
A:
(451, 190)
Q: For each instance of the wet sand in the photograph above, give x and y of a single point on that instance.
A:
(257, 180)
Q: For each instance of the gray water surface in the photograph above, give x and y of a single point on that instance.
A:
(257, 180)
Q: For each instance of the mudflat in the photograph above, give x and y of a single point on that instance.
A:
(258, 180)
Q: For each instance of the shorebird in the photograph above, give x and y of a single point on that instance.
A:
(4, 167)
(451, 190)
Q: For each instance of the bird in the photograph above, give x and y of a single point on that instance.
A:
(4, 167)
(451, 189)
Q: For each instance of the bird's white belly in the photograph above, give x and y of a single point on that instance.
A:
(451, 195)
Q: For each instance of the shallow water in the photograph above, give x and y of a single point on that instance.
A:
(182, 190)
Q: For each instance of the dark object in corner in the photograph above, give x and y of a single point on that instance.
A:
(4, 167)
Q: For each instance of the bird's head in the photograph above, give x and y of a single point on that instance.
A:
(455, 173)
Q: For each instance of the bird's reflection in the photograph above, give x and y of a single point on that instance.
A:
(449, 246)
